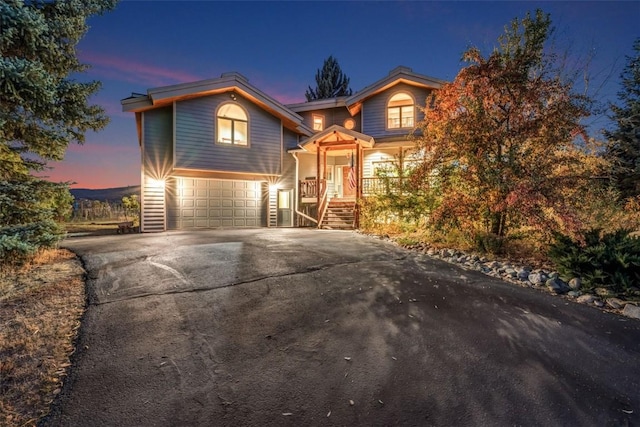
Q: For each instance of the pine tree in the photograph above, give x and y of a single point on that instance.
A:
(42, 109)
(624, 141)
(330, 82)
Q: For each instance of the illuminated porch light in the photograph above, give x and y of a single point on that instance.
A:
(156, 183)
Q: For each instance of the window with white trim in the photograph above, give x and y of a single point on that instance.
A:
(400, 111)
(318, 122)
(232, 125)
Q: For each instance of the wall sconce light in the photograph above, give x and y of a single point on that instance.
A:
(233, 96)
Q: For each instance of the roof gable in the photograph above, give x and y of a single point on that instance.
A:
(334, 135)
(228, 82)
(397, 75)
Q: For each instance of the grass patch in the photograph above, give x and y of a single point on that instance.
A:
(40, 308)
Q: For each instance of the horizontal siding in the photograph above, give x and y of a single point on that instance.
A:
(158, 137)
(153, 208)
(157, 152)
(374, 110)
(372, 156)
(288, 178)
(332, 116)
(195, 138)
(290, 139)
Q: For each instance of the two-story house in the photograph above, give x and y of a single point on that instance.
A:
(222, 153)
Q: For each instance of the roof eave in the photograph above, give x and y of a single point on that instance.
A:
(166, 95)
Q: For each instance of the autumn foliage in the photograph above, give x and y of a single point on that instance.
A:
(502, 146)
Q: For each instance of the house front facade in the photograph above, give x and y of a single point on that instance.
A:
(222, 153)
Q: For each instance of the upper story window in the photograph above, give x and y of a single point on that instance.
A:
(232, 125)
(400, 111)
(318, 122)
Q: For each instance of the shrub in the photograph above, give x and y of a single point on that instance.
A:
(18, 243)
(27, 212)
(489, 243)
(609, 260)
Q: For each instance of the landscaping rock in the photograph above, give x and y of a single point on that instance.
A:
(586, 299)
(615, 303)
(511, 272)
(537, 278)
(523, 274)
(575, 283)
(557, 286)
(631, 310)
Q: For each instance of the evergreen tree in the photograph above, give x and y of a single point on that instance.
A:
(330, 82)
(42, 109)
(624, 141)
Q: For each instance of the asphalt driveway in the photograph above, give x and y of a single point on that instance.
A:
(304, 327)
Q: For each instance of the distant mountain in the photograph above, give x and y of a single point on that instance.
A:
(105, 194)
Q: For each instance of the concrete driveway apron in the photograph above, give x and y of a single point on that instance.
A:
(306, 327)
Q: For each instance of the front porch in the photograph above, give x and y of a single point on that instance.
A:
(332, 184)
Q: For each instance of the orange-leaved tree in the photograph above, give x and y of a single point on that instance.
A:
(500, 144)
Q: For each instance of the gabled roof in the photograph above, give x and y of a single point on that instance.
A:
(228, 82)
(397, 75)
(334, 135)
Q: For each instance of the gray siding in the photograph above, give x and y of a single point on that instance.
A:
(158, 135)
(332, 116)
(288, 178)
(290, 139)
(195, 138)
(374, 110)
(157, 151)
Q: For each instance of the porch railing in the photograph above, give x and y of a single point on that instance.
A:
(381, 185)
(309, 187)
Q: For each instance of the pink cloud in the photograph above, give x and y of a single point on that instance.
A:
(132, 71)
(97, 148)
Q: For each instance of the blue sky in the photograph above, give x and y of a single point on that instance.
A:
(280, 45)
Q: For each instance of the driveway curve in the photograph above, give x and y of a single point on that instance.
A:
(272, 327)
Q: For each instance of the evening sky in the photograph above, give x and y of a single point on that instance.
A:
(279, 46)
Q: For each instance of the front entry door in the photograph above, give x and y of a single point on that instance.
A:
(348, 182)
(285, 214)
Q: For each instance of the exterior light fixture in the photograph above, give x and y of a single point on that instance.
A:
(156, 183)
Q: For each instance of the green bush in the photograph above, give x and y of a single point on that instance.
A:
(610, 260)
(18, 243)
(28, 210)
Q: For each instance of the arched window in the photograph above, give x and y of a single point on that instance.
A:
(400, 111)
(232, 125)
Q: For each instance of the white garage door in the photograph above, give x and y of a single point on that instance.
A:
(205, 203)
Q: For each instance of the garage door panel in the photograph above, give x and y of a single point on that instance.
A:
(204, 203)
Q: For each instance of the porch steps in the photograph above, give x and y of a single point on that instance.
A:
(340, 215)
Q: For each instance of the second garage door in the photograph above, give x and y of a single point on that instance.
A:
(206, 203)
